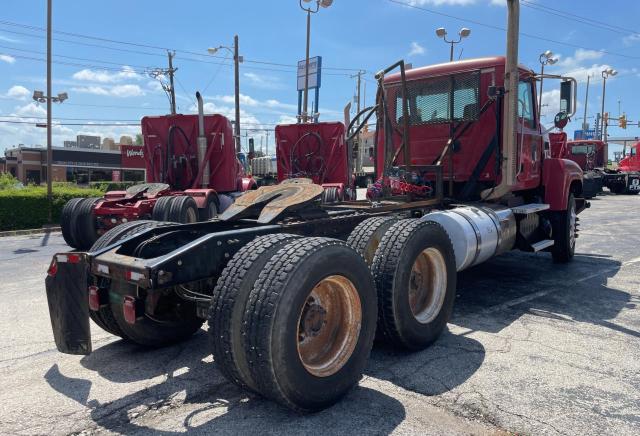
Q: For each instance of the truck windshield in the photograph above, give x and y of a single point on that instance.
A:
(582, 149)
(430, 99)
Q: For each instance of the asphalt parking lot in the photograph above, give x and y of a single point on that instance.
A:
(532, 348)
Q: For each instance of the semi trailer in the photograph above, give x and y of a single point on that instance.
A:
(295, 289)
(192, 174)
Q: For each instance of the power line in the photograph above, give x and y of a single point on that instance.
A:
(578, 18)
(502, 29)
(154, 47)
(72, 124)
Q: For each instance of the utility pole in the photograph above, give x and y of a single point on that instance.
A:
(49, 130)
(236, 60)
(266, 147)
(172, 89)
(586, 101)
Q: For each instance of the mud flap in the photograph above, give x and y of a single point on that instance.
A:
(69, 307)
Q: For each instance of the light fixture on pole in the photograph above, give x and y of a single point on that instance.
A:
(441, 32)
(605, 74)
(309, 10)
(545, 58)
(237, 59)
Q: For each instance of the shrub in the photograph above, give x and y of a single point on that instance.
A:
(27, 208)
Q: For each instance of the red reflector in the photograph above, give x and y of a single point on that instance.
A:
(129, 308)
(73, 258)
(94, 298)
(53, 268)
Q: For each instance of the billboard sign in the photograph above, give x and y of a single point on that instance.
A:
(584, 134)
(315, 73)
(132, 156)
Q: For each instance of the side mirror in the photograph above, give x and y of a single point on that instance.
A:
(566, 97)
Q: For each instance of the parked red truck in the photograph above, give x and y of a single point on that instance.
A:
(626, 178)
(588, 154)
(294, 289)
(192, 174)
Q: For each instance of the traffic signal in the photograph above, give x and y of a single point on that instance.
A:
(622, 121)
(606, 118)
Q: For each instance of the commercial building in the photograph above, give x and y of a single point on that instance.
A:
(79, 165)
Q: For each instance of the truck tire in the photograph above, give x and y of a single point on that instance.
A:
(160, 210)
(183, 209)
(366, 237)
(84, 223)
(154, 332)
(69, 232)
(414, 270)
(309, 323)
(228, 303)
(564, 228)
(103, 317)
(210, 209)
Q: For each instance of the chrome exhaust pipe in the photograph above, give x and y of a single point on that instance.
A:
(202, 143)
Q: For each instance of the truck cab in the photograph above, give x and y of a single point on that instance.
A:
(460, 102)
(589, 154)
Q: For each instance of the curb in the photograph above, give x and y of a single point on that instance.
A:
(29, 232)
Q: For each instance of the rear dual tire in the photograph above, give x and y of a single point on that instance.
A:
(78, 223)
(414, 271)
(307, 322)
(179, 209)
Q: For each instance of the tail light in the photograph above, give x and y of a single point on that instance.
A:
(94, 298)
(129, 308)
(53, 268)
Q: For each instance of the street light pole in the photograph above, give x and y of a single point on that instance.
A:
(605, 73)
(545, 58)
(586, 102)
(306, 69)
(462, 33)
(309, 11)
(236, 59)
(49, 131)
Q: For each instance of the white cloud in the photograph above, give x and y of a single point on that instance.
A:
(31, 110)
(550, 103)
(631, 39)
(579, 57)
(263, 82)
(7, 39)
(8, 59)
(18, 92)
(104, 76)
(498, 2)
(416, 49)
(120, 91)
(287, 119)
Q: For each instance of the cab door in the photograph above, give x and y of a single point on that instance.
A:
(529, 137)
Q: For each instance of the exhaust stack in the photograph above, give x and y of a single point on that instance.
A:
(509, 165)
(202, 143)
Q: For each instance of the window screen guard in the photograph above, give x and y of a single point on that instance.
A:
(430, 100)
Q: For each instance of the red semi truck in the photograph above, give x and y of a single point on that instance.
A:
(192, 174)
(294, 289)
(588, 154)
(626, 178)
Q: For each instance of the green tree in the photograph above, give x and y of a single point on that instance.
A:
(139, 140)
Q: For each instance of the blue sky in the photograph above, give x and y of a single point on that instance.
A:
(108, 81)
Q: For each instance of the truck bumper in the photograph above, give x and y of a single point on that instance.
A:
(68, 301)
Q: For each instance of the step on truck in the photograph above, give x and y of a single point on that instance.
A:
(192, 174)
(294, 290)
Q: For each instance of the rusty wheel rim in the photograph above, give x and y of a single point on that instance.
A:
(329, 326)
(427, 285)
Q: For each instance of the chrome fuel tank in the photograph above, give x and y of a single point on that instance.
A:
(477, 232)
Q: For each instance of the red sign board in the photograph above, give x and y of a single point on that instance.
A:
(132, 156)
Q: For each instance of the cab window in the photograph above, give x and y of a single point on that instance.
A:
(525, 104)
(582, 149)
